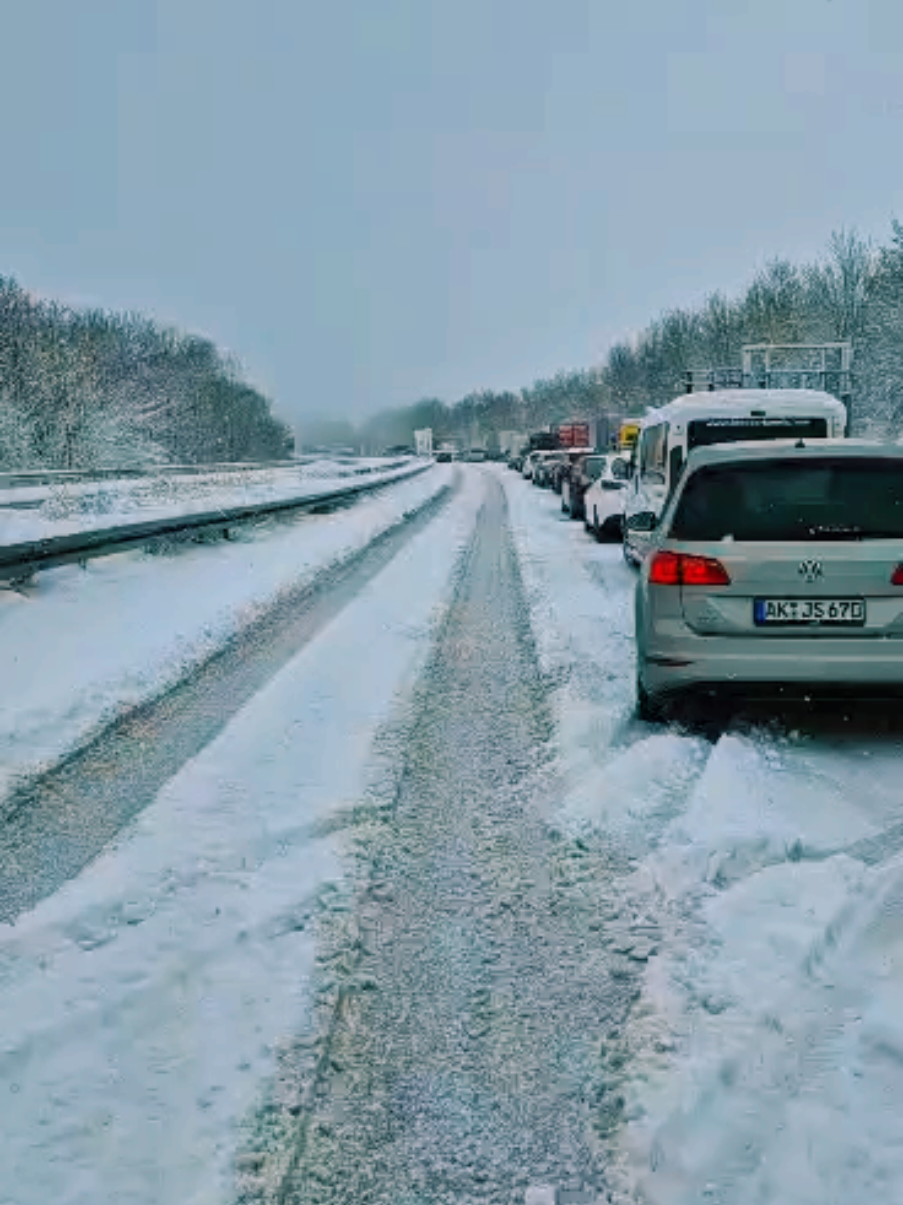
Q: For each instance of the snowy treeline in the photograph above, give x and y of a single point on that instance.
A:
(85, 389)
(854, 292)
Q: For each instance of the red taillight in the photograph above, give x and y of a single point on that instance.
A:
(683, 569)
(664, 569)
(703, 571)
(897, 576)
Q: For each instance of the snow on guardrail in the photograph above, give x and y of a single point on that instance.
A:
(82, 522)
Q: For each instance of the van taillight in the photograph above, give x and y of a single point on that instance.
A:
(684, 569)
(897, 576)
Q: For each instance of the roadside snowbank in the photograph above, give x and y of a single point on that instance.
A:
(779, 989)
(85, 645)
(142, 1006)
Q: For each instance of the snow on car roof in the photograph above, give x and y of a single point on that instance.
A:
(763, 449)
(743, 400)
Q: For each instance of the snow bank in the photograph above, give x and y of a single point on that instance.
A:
(142, 1005)
(775, 996)
(85, 645)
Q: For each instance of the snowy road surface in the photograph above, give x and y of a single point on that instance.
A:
(82, 646)
(141, 1004)
(427, 916)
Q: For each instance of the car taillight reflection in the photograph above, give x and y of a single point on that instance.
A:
(684, 569)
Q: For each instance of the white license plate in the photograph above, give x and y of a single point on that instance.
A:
(809, 610)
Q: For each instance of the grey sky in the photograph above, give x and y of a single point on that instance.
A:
(373, 200)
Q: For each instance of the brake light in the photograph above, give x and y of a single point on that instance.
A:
(703, 571)
(897, 576)
(684, 569)
(665, 569)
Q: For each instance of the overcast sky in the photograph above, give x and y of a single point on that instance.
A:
(369, 201)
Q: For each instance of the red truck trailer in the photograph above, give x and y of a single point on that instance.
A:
(574, 435)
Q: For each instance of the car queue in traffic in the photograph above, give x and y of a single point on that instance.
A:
(768, 548)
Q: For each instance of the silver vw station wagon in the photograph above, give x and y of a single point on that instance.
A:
(776, 571)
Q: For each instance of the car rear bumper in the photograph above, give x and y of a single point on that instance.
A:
(777, 667)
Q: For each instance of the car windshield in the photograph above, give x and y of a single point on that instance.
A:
(594, 467)
(793, 499)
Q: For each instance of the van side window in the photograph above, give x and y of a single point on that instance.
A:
(653, 452)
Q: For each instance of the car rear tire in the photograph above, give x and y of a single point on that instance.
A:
(648, 708)
(609, 531)
(568, 500)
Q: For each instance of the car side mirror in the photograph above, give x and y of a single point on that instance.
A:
(644, 520)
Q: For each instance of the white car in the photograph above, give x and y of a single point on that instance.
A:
(603, 502)
(529, 462)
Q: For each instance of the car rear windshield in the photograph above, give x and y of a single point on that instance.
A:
(705, 431)
(594, 467)
(840, 498)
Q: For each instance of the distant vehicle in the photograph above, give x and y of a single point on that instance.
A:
(603, 502)
(543, 466)
(628, 434)
(561, 468)
(398, 450)
(542, 441)
(443, 457)
(476, 455)
(669, 434)
(510, 442)
(577, 479)
(575, 434)
(529, 461)
(776, 570)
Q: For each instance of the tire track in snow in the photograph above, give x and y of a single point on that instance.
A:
(57, 823)
(454, 1063)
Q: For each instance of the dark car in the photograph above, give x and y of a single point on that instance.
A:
(563, 467)
(443, 457)
(576, 480)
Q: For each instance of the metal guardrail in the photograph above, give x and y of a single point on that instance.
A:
(19, 562)
(22, 478)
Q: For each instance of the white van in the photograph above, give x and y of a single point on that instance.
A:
(696, 420)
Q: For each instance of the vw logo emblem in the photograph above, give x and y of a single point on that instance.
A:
(810, 570)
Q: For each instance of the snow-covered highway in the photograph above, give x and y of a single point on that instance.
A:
(402, 904)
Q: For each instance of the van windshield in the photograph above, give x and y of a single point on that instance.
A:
(839, 498)
(702, 432)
